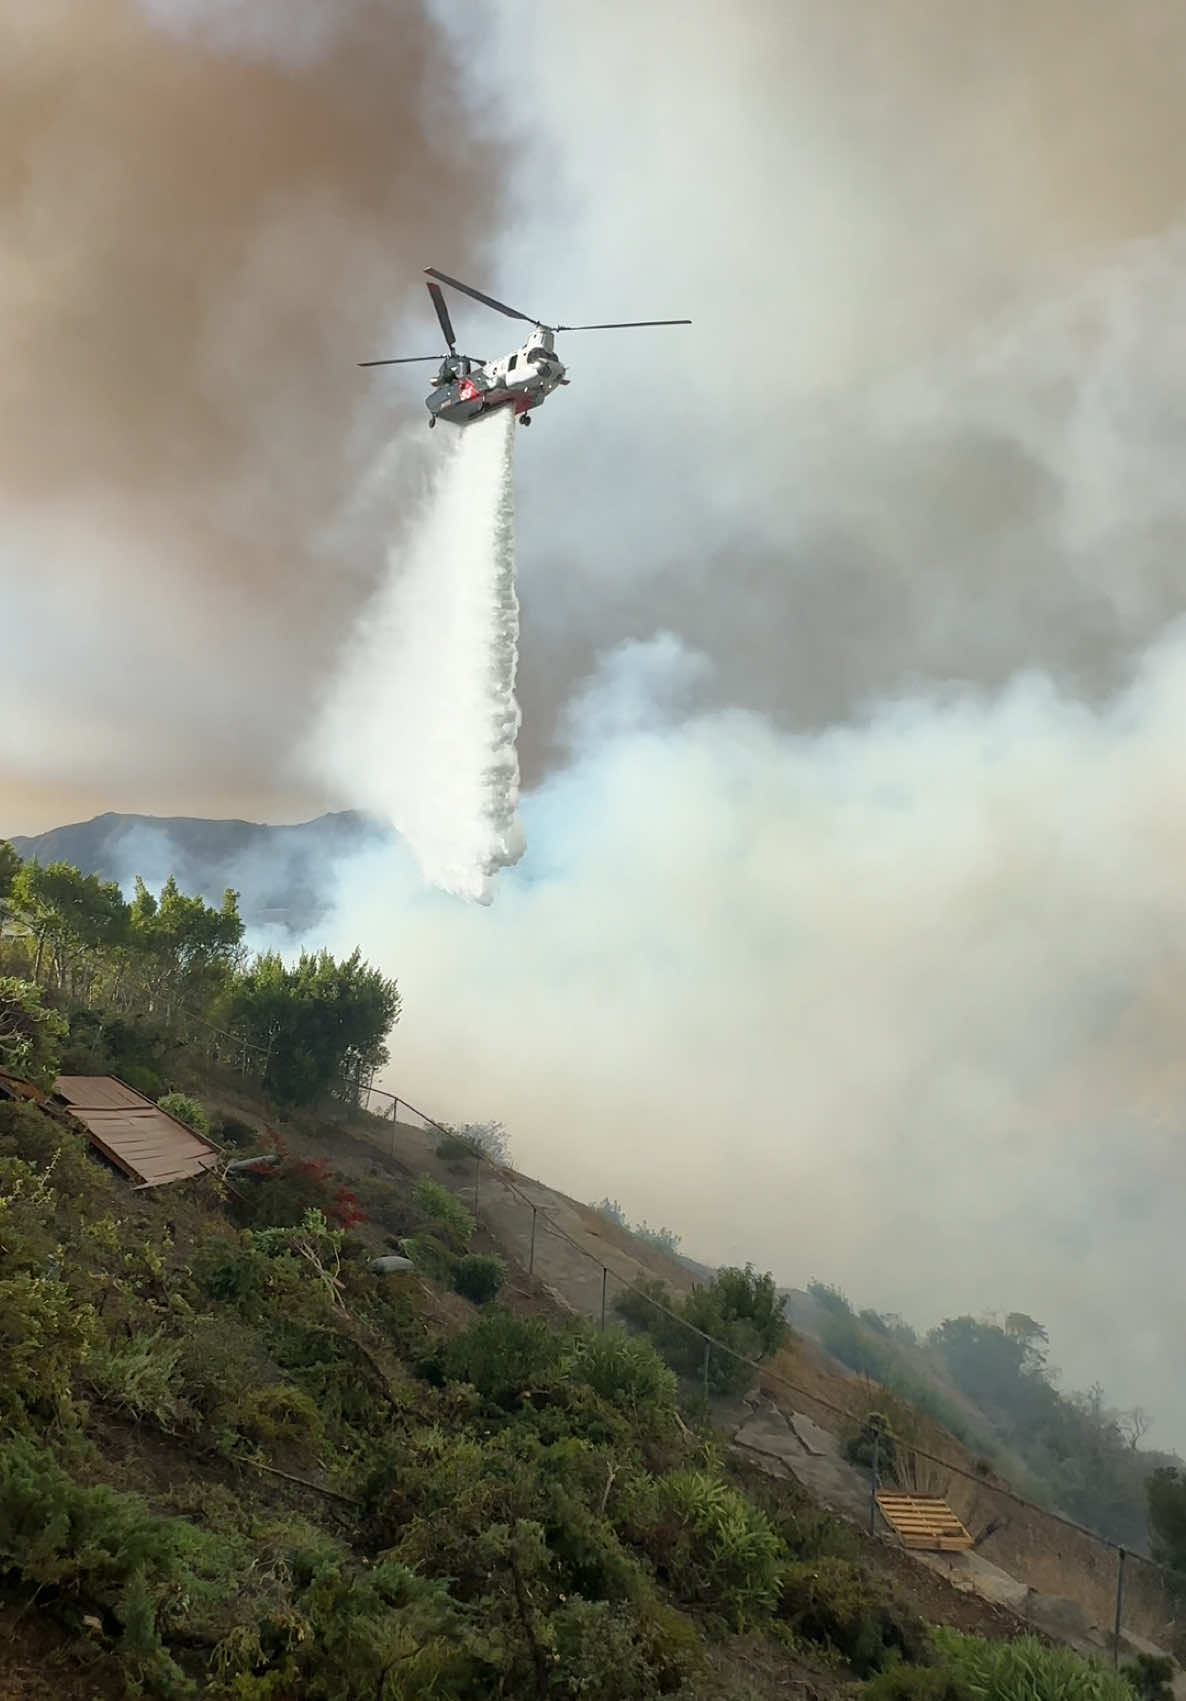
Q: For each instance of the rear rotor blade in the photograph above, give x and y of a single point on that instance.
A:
(486, 300)
(403, 360)
(622, 325)
(438, 301)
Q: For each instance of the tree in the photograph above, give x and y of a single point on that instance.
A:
(71, 914)
(1135, 1425)
(10, 864)
(181, 948)
(318, 1023)
(490, 1138)
(30, 1035)
(1165, 1497)
(1033, 1337)
(610, 1208)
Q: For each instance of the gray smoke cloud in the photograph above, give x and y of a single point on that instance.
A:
(210, 212)
(850, 935)
(893, 1005)
(929, 398)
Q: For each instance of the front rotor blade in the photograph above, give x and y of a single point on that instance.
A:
(403, 360)
(622, 325)
(438, 301)
(487, 300)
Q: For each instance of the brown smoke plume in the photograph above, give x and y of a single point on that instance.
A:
(197, 244)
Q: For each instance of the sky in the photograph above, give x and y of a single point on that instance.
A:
(849, 933)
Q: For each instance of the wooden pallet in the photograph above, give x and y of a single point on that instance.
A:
(923, 1521)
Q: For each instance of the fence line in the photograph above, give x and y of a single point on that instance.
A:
(768, 1374)
(361, 1092)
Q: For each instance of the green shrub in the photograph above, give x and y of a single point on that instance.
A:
(626, 1370)
(1026, 1670)
(184, 1109)
(738, 1308)
(460, 1154)
(230, 1131)
(917, 1683)
(837, 1603)
(602, 1652)
(448, 1213)
(60, 1152)
(478, 1277)
(711, 1545)
(140, 1376)
(504, 1357)
(431, 1257)
(100, 1550)
(858, 1448)
(31, 1033)
(278, 1413)
(45, 1334)
(1151, 1675)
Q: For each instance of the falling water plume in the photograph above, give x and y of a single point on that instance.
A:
(421, 724)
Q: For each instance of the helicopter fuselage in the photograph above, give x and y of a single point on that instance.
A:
(465, 389)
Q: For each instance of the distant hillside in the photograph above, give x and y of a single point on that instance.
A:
(283, 874)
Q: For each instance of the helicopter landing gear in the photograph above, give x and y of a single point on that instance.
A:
(524, 419)
(432, 419)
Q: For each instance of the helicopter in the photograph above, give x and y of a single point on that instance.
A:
(466, 389)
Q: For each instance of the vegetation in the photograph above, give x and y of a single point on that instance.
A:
(186, 1109)
(664, 1239)
(460, 1147)
(988, 1382)
(738, 1309)
(169, 970)
(1165, 1492)
(314, 1022)
(238, 1464)
(30, 1034)
(1025, 1668)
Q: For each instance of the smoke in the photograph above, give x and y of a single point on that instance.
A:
(420, 727)
(936, 299)
(894, 1006)
(209, 213)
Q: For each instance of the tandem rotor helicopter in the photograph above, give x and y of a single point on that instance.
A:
(465, 389)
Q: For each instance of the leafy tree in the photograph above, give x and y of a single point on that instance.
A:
(181, 949)
(317, 1023)
(663, 1239)
(738, 1308)
(30, 1035)
(71, 915)
(1165, 1494)
(10, 864)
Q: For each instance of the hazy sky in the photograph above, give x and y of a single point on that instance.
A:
(849, 935)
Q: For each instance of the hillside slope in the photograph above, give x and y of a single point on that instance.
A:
(284, 874)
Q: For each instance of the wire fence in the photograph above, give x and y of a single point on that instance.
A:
(1048, 1554)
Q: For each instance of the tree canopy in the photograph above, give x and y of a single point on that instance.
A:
(30, 1035)
(316, 1021)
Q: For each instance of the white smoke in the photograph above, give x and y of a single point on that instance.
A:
(420, 725)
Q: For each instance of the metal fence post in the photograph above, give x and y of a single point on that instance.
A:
(873, 1487)
(604, 1280)
(1119, 1606)
(531, 1254)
